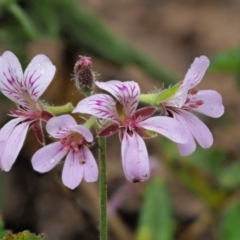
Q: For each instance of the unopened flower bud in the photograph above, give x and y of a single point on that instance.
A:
(83, 75)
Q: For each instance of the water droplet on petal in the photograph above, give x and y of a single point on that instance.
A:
(42, 71)
(52, 160)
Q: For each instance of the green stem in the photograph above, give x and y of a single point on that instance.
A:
(90, 122)
(148, 98)
(58, 110)
(103, 188)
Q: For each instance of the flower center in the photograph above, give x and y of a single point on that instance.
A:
(73, 141)
(32, 104)
(28, 114)
(120, 111)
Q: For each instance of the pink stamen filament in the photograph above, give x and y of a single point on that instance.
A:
(72, 142)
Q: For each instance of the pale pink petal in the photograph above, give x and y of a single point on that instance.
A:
(198, 129)
(127, 93)
(48, 157)
(197, 71)
(38, 75)
(6, 131)
(83, 131)
(12, 63)
(189, 147)
(57, 127)
(8, 127)
(72, 171)
(13, 145)
(135, 158)
(99, 105)
(90, 168)
(212, 103)
(165, 126)
(10, 78)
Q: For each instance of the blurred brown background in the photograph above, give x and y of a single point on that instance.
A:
(173, 33)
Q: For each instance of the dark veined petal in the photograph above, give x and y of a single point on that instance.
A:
(99, 105)
(38, 75)
(127, 93)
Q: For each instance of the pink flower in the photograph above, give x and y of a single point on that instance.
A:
(208, 102)
(73, 142)
(25, 90)
(131, 124)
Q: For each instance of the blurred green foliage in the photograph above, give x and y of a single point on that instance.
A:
(229, 226)
(226, 62)
(25, 235)
(3, 231)
(156, 220)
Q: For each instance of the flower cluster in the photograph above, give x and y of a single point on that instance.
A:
(119, 108)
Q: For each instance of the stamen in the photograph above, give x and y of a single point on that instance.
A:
(66, 148)
(76, 149)
(82, 162)
(193, 105)
(199, 102)
(135, 180)
(73, 145)
(62, 140)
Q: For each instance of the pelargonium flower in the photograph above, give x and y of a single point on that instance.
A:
(25, 90)
(133, 125)
(187, 98)
(73, 141)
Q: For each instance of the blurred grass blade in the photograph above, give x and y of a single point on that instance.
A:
(226, 62)
(229, 226)
(156, 220)
(82, 28)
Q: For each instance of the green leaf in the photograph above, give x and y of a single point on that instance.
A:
(25, 235)
(226, 62)
(156, 220)
(229, 225)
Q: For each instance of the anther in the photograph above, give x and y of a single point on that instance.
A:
(193, 91)
(66, 148)
(199, 102)
(62, 140)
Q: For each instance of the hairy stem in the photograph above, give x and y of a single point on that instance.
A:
(59, 110)
(103, 188)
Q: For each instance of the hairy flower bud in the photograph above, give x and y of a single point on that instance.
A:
(83, 75)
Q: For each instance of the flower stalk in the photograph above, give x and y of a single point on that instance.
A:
(59, 110)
